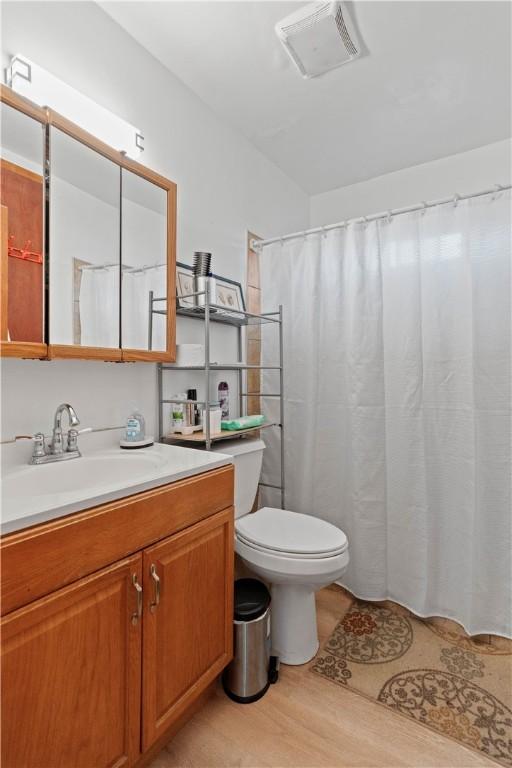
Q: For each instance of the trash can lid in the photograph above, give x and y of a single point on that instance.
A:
(252, 599)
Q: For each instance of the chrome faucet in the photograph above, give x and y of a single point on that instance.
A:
(43, 454)
(56, 447)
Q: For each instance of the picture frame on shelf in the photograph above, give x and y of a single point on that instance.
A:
(184, 285)
(230, 295)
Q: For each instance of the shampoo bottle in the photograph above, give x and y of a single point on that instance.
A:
(223, 391)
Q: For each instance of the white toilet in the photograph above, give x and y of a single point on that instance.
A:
(296, 554)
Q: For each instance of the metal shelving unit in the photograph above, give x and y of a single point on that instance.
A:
(240, 319)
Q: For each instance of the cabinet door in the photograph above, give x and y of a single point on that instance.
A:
(188, 619)
(148, 280)
(85, 250)
(22, 269)
(71, 675)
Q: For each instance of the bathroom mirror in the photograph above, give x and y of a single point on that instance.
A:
(22, 228)
(84, 285)
(144, 264)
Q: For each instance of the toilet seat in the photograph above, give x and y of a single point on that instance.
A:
(292, 535)
(287, 555)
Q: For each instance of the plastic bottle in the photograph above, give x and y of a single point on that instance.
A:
(223, 391)
(135, 427)
(178, 413)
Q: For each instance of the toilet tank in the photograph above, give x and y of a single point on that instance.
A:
(247, 458)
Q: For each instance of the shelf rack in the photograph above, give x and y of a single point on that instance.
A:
(209, 313)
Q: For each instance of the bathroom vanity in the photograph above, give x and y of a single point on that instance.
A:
(117, 618)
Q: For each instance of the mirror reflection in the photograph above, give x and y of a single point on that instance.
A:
(84, 245)
(144, 270)
(22, 227)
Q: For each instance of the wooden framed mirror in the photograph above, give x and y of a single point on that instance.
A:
(22, 233)
(100, 283)
(148, 274)
(85, 250)
(112, 252)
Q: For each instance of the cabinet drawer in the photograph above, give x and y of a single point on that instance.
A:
(39, 560)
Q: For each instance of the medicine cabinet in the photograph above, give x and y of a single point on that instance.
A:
(105, 242)
(22, 265)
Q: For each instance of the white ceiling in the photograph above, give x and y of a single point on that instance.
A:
(435, 81)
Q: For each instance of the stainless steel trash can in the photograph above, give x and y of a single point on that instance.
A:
(248, 676)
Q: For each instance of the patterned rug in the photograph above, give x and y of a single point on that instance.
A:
(439, 677)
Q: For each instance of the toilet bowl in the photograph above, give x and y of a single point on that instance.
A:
(296, 554)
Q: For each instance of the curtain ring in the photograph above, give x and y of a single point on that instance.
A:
(365, 222)
(324, 232)
(424, 208)
(456, 199)
(389, 217)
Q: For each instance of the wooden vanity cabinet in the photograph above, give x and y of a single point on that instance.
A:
(187, 584)
(98, 671)
(71, 675)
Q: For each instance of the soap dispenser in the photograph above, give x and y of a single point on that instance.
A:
(135, 434)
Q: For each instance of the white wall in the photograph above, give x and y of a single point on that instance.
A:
(464, 173)
(225, 187)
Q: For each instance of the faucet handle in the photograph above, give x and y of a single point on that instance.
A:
(73, 436)
(39, 444)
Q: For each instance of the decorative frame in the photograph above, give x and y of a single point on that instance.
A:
(184, 285)
(230, 295)
(229, 292)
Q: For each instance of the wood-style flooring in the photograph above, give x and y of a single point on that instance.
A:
(311, 722)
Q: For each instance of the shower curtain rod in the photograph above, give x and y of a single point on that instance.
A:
(124, 267)
(258, 244)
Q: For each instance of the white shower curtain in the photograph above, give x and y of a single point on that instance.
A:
(136, 288)
(397, 354)
(99, 307)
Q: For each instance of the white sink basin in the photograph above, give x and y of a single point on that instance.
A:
(35, 494)
(77, 475)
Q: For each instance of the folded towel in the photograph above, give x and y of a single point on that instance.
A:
(244, 422)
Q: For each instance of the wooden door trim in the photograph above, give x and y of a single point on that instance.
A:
(20, 170)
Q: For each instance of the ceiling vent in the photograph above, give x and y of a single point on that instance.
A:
(318, 38)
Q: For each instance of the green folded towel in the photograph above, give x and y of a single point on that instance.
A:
(244, 422)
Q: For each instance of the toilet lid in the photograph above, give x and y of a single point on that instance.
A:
(279, 530)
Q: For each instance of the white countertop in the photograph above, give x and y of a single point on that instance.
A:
(36, 494)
